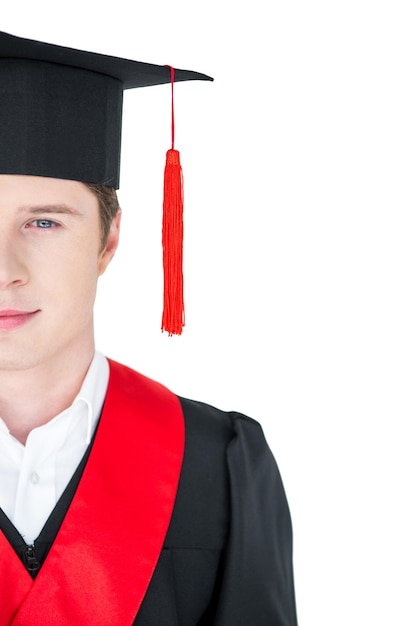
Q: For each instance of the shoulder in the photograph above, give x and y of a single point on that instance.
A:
(212, 420)
(214, 427)
(201, 516)
(222, 443)
(202, 420)
(213, 436)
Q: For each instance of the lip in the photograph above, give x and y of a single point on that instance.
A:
(10, 319)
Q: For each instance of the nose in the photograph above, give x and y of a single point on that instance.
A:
(13, 269)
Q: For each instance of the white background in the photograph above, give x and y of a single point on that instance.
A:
(301, 261)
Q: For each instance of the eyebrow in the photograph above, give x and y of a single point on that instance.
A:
(49, 208)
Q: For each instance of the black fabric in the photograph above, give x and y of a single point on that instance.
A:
(60, 122)
(61, 109)
(227, 557)
(129, 73)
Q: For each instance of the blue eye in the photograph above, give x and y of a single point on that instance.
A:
(43, 223)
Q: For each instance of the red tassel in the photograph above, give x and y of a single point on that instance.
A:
(172, 239)
(173, 311)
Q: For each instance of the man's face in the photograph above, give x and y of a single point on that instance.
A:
(50, 260)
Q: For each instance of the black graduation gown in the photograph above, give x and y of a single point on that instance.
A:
(227, 556)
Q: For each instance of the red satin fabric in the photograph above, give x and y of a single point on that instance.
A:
(101, 563)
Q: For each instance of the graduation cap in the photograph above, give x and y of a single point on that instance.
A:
(61, 117)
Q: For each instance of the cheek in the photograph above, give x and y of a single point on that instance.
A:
(65, 270)
(72, 282)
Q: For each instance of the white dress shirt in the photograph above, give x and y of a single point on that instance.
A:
(34, 476)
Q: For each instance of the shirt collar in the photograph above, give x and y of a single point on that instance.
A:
(93, 392)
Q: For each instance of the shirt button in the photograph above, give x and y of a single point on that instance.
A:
(34, 478)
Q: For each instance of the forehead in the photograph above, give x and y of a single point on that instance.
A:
(19, 191)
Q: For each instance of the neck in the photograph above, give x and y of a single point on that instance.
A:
(49, 388)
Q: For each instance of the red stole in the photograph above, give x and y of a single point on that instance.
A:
(102, 560)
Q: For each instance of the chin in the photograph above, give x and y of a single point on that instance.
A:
(17, 362)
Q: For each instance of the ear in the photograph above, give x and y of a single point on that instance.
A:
(109, 250)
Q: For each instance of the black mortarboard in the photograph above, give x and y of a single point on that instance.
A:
(61, 109)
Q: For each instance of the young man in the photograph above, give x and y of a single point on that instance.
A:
(121, 503)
